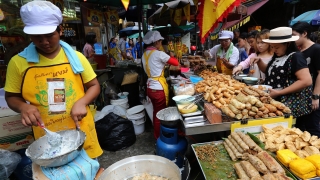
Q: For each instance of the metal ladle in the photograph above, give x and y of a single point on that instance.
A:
(53, 138)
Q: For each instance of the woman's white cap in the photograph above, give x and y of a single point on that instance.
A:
(151, 37)
(40, 17)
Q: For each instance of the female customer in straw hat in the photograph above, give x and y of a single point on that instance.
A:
(287, 72)
(153, 64)
(311, 52)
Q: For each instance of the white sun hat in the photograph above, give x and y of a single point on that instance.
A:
(151, 37)
(226, 35)
(281, 35)
(40, 17)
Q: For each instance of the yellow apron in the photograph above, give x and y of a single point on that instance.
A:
(161, 78)
(222, 68)
(35, 90)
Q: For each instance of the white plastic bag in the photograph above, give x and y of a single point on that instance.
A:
(186, 89)
(149, 108)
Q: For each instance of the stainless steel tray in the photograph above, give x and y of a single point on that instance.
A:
(195, 119)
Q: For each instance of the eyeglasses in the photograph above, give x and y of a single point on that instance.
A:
(224, 40)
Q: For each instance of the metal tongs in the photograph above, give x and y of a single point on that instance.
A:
(190, 98)
(193, 103)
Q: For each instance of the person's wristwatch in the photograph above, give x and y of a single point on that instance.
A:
(315, 96)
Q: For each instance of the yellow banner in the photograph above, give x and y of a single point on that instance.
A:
(186, 11)
(211, 12)
(94, 16)
(125, 3)
(112, 17)
(177, 16)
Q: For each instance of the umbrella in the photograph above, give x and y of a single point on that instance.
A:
(166, 14)
(312, 17)
(130, 30)
(134, 36)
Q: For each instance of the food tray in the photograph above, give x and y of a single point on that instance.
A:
(224, 165)
(197, 113)
(261, 144)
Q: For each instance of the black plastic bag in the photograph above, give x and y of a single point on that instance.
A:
(115, 132)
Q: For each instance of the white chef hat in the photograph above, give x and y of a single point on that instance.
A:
(40, 17)
(226, 35)
(151, 37)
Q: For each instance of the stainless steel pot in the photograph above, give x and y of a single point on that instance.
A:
(169, 117)
(68, 152)
(137, 165)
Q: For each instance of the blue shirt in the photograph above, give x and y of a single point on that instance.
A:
(138, 49)
(113, 45)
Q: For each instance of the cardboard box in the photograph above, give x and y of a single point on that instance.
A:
(13, 134)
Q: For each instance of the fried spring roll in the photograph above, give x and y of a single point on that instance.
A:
(232, 156)
(247, 140)
(281, 176)
(249, 169)
(258, 164)
(270, 162)
(235, 144)
(233, 149)
(242, 144)
(256, 178)
(240, 172)
(268, 177)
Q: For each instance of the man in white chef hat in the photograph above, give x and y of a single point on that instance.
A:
(225, 54)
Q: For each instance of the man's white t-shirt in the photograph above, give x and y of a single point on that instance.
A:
(157, 61)
(234, 58)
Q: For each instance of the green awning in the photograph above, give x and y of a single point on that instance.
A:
(136, 35)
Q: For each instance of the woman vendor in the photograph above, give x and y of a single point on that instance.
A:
(153, 64)
(52, 77)
(225, 54)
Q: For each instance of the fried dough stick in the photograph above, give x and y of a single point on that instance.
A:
(232, 156)
(237, 138)
(240, 172)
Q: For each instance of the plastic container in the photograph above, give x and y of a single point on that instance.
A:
(120, 102)
(138, 121)
(135, 110)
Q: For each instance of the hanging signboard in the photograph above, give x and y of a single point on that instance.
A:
(94, 16)
(112, 17)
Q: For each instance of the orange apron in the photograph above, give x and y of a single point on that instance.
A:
(222, 68)
(161, 78)
(35, 90)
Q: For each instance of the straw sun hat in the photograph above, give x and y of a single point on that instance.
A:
(281, 35)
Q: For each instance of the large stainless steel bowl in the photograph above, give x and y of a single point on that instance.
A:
(169, 117)
(137, 165)
(69, 151)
